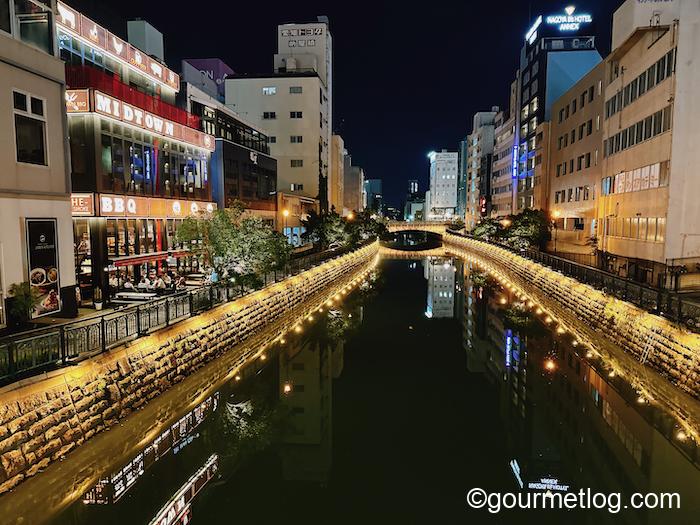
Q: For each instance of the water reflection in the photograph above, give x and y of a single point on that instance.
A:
(430, 380)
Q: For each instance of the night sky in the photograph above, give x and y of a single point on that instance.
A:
(407, 79)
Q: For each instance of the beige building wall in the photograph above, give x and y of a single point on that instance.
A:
(336, 179)
(576, 160)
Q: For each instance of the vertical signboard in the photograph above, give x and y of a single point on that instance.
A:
(42, 263)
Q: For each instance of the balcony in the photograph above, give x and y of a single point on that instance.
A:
(80, 77)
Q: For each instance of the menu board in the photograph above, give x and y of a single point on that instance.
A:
(42, 263)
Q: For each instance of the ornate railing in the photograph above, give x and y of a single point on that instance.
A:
(667, 303)
(28, 353)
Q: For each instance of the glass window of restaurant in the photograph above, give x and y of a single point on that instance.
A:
(138, 163)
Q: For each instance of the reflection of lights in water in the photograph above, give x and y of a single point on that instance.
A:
(550, 365)
(297, 329)
(263, 357)
(238, 378)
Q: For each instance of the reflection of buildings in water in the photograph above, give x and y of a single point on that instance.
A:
(307, 379)
(178, 510)
(575, 424)
(440, 274)
(112, 488)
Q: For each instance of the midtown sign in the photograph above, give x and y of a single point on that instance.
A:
(88, 100)
(570, 20)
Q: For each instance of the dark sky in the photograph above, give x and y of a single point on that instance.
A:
(407, 78)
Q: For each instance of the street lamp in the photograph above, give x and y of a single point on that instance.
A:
(555, 215)
(285, 213)
(351, 216)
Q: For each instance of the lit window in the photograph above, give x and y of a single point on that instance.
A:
(271, 90)
(30, 128)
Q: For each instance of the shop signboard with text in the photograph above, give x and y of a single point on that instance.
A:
(108, 205)
(42, 264)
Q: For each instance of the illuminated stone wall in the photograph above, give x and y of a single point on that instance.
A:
(43, 422)
(600, 320)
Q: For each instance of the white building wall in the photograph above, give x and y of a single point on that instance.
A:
(443, 184)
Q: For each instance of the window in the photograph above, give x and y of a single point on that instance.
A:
(269, 115)
(588, 160)
(295, 114)
(296, 187)
(272, 140)
(297, 163)
(295, 90)
(30, 128)
(296, 139)
(269, 90)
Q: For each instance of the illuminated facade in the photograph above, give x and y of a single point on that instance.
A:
(558, 51)
(442, 201)
(504, 158)
(139, 163)
(480, 144)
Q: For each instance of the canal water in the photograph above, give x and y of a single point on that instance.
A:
(391, 405)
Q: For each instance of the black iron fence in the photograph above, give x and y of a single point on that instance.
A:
(677, 307)
(28, 353)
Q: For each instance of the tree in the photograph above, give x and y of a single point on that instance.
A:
(527, 229)
(24, 297)
(488, 229)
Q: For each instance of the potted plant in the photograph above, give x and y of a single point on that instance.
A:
(97, 298)
(24, 298)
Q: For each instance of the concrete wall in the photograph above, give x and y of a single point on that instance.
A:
(42, 422)
(602, 321)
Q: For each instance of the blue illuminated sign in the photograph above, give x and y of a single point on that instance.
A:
(569, 21)
(515, 162)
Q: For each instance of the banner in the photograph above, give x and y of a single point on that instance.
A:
(42, 261)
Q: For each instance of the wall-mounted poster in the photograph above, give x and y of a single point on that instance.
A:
(42, 260)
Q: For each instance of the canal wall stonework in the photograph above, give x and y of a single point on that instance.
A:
(43, 422)
(647, 338)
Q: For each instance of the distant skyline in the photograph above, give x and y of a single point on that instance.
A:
(406, 80)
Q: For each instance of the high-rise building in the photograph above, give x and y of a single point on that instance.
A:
(140, 164)
(36, 238)
(504, 166)
(242, 168)
(353, 187)
(375, 199)
(648, 213)
(480, 144)
(443, 185)
(294, 106)
(576, 161)
(440, 274)
(559, 49)
(462, 175)
(336, 179)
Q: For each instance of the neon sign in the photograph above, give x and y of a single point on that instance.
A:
(569, 21)
(515, 162)
(531, 35)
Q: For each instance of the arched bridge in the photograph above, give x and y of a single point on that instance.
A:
(421, 226)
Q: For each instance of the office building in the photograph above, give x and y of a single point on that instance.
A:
(462, 175)
(504, 160)
(480, 144)
(576, 161)
(648, 213)
(294, 106)
(440, 274)
(336, 181)
(139, 163)
(558, 50)
(353, 187)
(36, 237)
(373, 192)
(242, 169)
(441, 203)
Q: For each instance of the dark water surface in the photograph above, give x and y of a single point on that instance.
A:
(391, 406)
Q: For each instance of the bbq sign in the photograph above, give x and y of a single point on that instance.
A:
(42, 261)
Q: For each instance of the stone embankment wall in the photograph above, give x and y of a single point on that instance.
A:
(649, 339)
(41, 423)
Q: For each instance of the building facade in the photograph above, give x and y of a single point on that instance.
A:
(354, 187)
(294, 106)
(37, 235)
(649, 220)
(374, 193)
(242, 169)
(462, 175)
(504, 165)
(480, 143)
(336, 182)
(555, 55)
(576, 161)
(441, 203)
(139, 163)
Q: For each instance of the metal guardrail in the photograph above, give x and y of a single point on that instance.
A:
(32, 352)
(669, 304)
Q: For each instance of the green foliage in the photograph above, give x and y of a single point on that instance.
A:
(241, 246)
(488, 229)
(457, 224)
(527, 229)
(330, 230)
(25, 297)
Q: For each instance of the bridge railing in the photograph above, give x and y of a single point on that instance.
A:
(32, 352)
(667, 303)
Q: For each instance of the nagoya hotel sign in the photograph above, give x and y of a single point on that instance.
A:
(570, 20)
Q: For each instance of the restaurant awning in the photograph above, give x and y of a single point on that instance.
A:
(130, 260)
